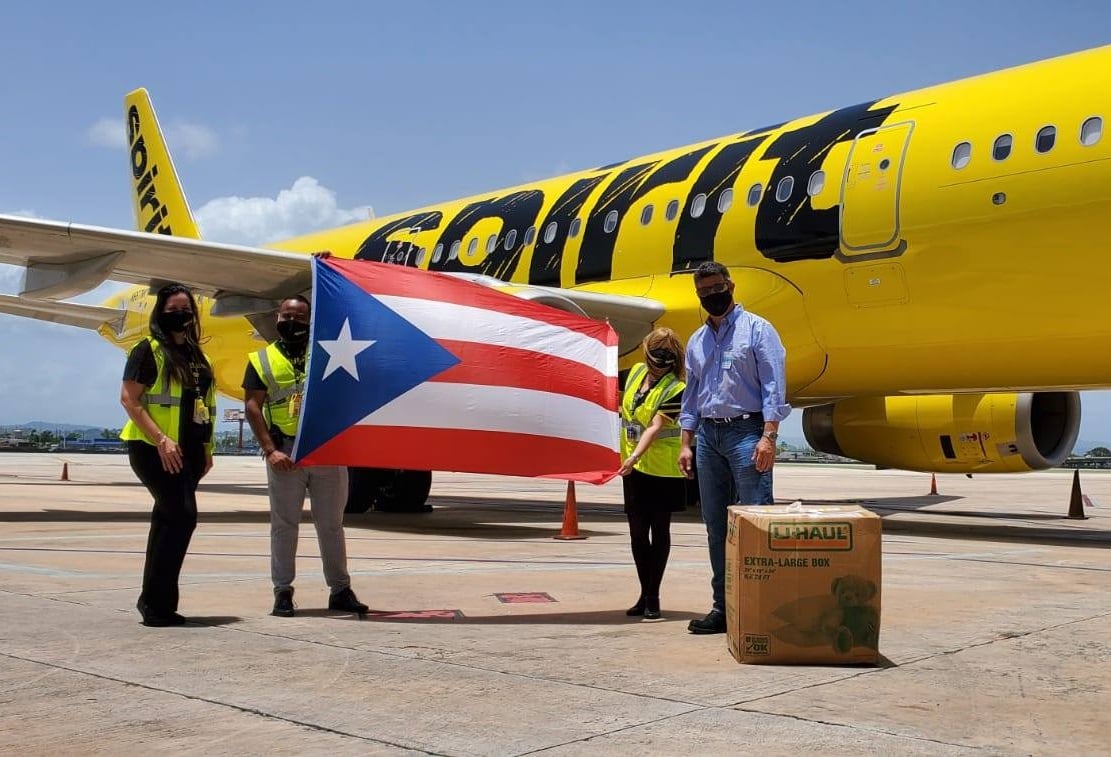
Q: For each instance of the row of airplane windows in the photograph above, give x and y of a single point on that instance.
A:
(1090, 133)
(783, 191)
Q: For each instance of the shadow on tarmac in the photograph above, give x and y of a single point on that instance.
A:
(595, 618)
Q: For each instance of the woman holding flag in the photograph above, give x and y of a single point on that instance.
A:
(653, 485)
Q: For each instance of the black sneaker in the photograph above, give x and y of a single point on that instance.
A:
(283, 604)
(714, 622)
(345, 600)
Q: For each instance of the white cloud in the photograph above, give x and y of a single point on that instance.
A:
(108, 132)
(304, 207)
(193, 140)
(189, 139)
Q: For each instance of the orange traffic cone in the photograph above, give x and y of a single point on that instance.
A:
(65, 471)
(933, 484)
(570, 528)
(1076, 501)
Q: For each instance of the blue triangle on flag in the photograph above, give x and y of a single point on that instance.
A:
(400, 358)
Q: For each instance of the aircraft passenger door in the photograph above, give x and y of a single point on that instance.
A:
(870, 192)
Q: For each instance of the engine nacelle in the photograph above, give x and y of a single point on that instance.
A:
(949, 433)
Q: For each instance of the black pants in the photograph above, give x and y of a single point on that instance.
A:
(649, 502)
(171, 522)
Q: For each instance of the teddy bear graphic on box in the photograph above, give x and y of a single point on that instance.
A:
(844, 618)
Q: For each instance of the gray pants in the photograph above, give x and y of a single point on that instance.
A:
(327, 488)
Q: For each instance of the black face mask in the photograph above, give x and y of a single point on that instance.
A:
(293, 332)
(716, 304)
(174, 320)
(661, 358)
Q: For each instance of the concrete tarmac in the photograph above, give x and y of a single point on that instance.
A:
(996, 627)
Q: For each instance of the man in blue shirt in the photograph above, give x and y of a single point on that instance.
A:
(733, 403)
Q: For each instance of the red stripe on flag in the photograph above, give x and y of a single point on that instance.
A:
(468, 451)
(403, 281)
(493, 365)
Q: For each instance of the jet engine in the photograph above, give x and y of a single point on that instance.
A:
(949, 433)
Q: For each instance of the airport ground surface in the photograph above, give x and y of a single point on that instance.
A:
(996, 632)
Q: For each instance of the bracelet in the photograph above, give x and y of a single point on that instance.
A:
(161, 439)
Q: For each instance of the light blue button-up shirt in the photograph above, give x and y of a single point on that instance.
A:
(735, 370)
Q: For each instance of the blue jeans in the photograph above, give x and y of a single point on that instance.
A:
(727, 476)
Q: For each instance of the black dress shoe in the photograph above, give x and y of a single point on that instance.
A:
(283, 604)
(714, 622)
(652, 608)
(636, 610)
(155, 619)
(344, 600)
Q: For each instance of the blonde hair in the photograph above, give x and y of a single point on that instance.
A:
(665, 338)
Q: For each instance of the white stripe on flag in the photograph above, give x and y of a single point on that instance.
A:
(465, 323)
(499, 408)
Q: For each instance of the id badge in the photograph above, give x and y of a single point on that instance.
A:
(632, 433)
(727, 361)
(200, 412)
(295, 405)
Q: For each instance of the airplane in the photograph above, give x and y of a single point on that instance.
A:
(933, 261)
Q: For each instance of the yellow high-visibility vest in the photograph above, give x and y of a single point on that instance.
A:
(662, 456)
(284, 386)
(163, 402)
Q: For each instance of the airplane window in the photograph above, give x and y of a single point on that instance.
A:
(530, 235)
(816, 184)
(575, 226)
(754, 193)
(550, 232)
(491, 243)
(1002, 147)
(698, 205)
(672, 210)
(611, 222)
(472, 246)
(1047, 135)
(1091, 130)
(510, 239)
(438, 252)
(646, 215)
(454, 254)
(725, 201)
(784, 189)
(962, 154)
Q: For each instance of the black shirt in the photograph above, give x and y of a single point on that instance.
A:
(142, 368)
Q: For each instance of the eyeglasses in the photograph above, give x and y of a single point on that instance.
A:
(715, 289)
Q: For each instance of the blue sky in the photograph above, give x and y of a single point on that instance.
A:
(394, 106)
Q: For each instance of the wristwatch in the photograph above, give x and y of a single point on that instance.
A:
(771, 435)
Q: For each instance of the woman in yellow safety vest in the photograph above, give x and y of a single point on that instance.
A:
(654, 487)
(170, 398)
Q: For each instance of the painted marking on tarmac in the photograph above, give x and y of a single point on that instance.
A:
(415, 615)
(524, 597)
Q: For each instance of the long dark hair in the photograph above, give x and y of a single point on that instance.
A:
(184, 356)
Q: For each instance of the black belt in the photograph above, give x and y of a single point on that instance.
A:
(736, 418)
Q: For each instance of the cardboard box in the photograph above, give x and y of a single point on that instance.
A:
(802, 584)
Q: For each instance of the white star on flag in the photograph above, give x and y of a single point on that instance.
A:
(342, 351)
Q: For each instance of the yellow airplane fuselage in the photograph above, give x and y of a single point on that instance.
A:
(900, 268)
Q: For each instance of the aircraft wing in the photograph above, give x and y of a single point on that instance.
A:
(67, 259)
(69, 313)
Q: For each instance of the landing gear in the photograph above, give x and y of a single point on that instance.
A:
(385, 490)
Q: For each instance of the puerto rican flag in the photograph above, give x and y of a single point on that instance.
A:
(424, 371)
